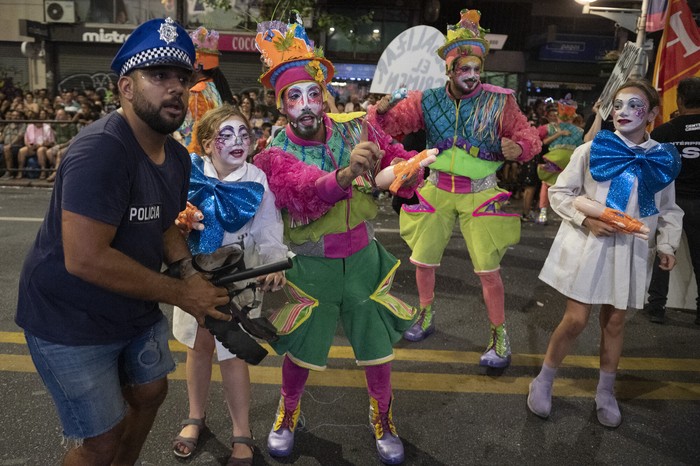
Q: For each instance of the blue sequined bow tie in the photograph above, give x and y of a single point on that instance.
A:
(654, 169)
(226, 206)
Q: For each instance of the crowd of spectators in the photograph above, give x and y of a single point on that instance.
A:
(37, 127)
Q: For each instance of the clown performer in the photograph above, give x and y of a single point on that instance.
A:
(320, 171)
(593, 262)
(238, 209)
(211, 88)
(561, 137)
(476, 127)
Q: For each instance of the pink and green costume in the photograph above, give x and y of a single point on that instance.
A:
(560, 150)
(340, 271)
(462, 186)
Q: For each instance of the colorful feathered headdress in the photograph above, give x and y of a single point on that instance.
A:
(466, 38)
(566, 108)
(206, 44)
(289, 56)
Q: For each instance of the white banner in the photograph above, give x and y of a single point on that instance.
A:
(411, 61)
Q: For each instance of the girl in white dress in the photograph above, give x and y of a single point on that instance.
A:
(594, 262)
(225, 138)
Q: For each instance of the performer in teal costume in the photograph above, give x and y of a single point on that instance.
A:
(476, 127)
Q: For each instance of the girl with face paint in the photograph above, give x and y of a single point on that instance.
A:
(225, 143)
(591, 262)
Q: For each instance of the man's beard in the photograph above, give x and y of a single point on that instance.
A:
(150, 114)
(306, 132)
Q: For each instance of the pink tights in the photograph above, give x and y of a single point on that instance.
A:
(544, 195)
(294, 378)
(425, 280)
(492, 287)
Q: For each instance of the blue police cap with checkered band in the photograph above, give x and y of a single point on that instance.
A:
(158, 42)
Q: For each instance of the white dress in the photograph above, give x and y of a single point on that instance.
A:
(262, 243)
(613, 269)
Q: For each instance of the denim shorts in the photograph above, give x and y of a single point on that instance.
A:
(86, 381)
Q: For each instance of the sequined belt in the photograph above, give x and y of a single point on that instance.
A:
(461, 184)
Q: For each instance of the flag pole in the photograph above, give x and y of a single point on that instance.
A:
(639, 68)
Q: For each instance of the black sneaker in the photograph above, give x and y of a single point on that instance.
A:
(657, 315)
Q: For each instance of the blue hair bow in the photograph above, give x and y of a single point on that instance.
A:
(654, 169)
(226, 206)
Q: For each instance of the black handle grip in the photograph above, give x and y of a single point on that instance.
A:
(252, 272)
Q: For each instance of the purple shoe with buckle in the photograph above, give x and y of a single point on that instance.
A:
(389, 445)
(280, 440)
(424, 326)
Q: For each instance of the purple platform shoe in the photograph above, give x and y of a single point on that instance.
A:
(497, 354)
(280, 441)
(389, 445)
(424, 326)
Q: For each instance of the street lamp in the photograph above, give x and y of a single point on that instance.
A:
(629, 18)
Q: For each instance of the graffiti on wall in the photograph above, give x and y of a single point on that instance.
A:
(100, 82)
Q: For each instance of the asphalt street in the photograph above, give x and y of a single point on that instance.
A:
(448, 410)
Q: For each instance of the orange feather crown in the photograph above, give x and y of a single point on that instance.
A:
(289, 56)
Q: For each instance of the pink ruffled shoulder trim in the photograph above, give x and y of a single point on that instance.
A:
(404, 118)
(293, 183)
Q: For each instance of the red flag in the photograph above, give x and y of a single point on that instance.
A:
(678, 55)
(656, 15)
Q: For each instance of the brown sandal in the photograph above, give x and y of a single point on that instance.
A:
(188, 442)
(234, 461)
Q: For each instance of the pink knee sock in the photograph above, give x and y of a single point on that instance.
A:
(293, 381)
(425, 280)
(492, 287)
(544, 195)
(379, 384)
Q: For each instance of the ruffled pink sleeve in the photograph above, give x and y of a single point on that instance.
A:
(392, 150)
(516, 127)
(404, 118)
(293, 183)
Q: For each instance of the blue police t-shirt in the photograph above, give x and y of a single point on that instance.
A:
(105, 176)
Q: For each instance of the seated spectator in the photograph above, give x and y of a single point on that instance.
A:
(371, 100)
(269, 106)
(30, 103)
(69, 103)
(261, 143)
(64, 133)
(36, 136)
(247, 106)
(256, 122)
(85, 115)
(353, 105)
(13, 140)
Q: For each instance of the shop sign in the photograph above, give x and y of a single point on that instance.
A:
(105, 37)
(237, 43)
(576, 48)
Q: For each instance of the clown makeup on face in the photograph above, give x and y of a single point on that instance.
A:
(230, 146)
(465, 75)
(303, 105)
(631, 113)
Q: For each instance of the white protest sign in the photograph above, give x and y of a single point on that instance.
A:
(623, 68)
(411, 61)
